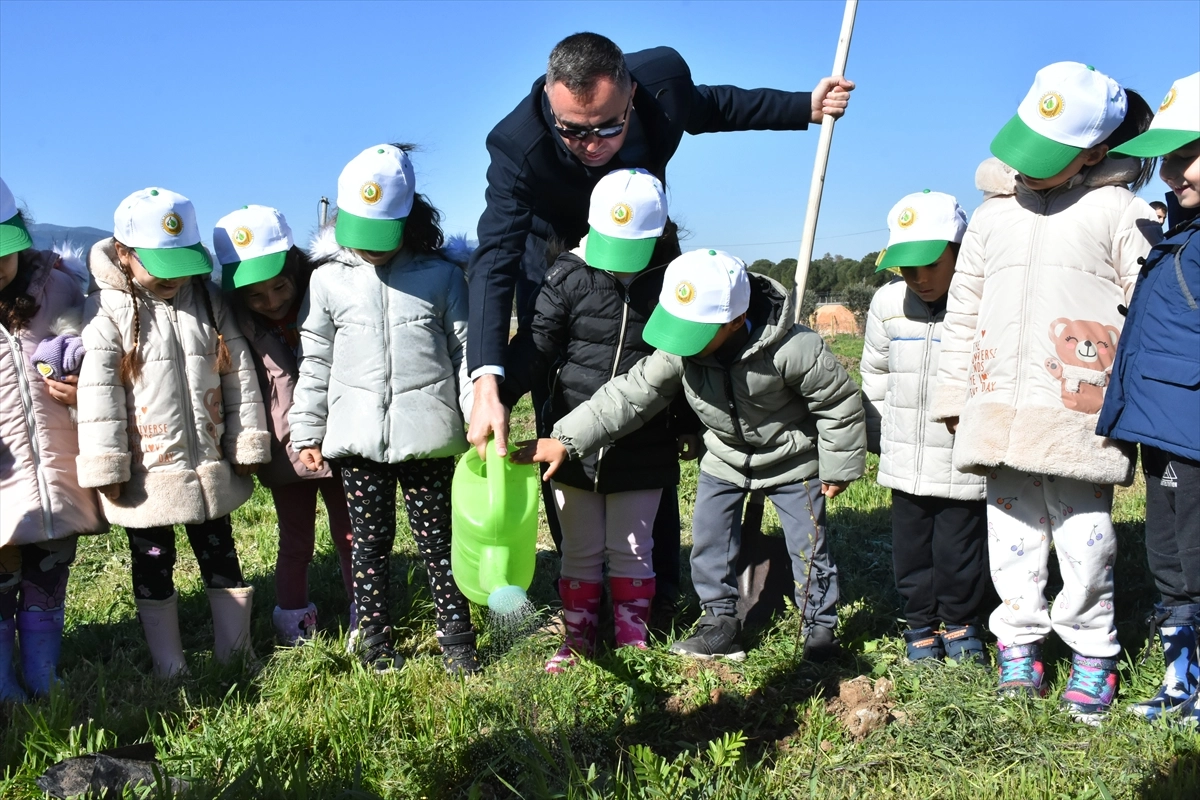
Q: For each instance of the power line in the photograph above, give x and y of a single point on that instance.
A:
(797, 241)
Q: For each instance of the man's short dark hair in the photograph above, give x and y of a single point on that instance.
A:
(1158, 205)
(581, 59)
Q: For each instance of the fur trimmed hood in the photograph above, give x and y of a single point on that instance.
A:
(323, 247)
(996, 179)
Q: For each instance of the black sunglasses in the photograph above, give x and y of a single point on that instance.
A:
(580, 134)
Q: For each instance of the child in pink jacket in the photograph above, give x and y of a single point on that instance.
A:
(43, 509)
(266, 276)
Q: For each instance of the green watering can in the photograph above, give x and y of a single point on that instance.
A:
(494, 545)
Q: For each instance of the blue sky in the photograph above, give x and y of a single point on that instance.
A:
(236, 103)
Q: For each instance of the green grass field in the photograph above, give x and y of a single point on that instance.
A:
(309, 722)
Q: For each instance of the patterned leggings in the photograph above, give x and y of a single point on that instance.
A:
(371, 494)
(34, 576)
(153, 552)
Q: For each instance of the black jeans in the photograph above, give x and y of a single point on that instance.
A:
(1173, 526)
(939, 552)
(717, 540)
(153, 551)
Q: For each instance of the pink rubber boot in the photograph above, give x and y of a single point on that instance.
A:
(581, 614)
(631, 607)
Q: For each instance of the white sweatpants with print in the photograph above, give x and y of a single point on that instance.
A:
(1026, 513)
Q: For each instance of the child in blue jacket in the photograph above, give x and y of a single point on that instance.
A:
(1154, 400)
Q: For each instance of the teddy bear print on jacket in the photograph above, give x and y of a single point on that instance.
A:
(1083, 359)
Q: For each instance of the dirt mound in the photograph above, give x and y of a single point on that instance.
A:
(862, 706)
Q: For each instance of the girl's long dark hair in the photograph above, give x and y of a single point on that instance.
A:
(423, 230)
(17, 307)
(1138, 116)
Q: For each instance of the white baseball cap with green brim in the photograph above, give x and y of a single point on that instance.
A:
(627, 214)
(920, 227)
(375, 197)
(1177, 122)
(251, 244)
(1069, 108)
(160, 225)
(14, 237)
(702, 290)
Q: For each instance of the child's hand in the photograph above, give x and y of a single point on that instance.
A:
(689, 446)
(541, 451)
(952, 424)
(311, 458)
(832, 490)
(63, 391)
(112, 491)
(243, 470)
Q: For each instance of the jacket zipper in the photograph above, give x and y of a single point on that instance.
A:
(27, 407)
(921, 401)
(181, 378)
(387, 361)
(1034, 246)
(616, 364)
(737, 424)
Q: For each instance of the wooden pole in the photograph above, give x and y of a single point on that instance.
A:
(818, 176)
(764, 567)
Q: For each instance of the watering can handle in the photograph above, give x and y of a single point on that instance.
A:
(497, 496)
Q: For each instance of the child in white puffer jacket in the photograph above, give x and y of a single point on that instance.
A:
(939, 546)
(1031, 326)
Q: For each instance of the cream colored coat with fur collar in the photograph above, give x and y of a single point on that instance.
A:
(172, 435)
(1032, 323)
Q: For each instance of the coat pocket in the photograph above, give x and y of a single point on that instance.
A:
(1174, 370)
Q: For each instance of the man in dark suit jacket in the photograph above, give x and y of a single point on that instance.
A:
(594, 111)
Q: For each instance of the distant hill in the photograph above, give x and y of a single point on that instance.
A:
(45, 236)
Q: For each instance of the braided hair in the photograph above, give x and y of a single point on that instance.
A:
(224, 360)
(131, 361)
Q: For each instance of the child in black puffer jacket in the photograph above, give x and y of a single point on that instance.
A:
(587, 329)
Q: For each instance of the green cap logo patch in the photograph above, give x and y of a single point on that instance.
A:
(1051, 105)
(172, 224)
(1170, 98)
(622, 214)
(907, 217)
(370, 193)
(685, 292)
(242, 237)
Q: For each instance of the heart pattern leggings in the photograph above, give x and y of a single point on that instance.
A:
(371, 495)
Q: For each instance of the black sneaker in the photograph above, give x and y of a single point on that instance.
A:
(376, 653)
(820, 644)
(459, 655)
(923, 643)
(964, 644)
(715, 637)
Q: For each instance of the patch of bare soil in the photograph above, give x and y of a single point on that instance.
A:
(863, 706)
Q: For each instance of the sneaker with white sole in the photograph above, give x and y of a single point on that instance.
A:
(1091, 688)
(715, 637)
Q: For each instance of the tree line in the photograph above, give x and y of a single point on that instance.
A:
(852, 282)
